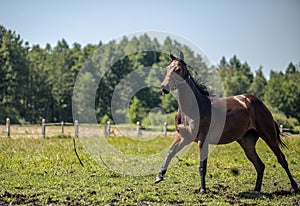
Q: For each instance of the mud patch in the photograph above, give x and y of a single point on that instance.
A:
(17, 198)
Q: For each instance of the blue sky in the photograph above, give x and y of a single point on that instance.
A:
(261, 32)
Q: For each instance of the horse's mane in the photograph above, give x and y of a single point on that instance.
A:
(200, 86)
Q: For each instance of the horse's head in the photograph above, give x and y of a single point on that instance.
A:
(176, 74)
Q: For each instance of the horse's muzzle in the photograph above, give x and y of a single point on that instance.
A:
(165, 89)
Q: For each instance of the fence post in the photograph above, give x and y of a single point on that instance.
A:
(107, 129)
(281, 129)
(138, 129)
(76, 129)
(8, 127)
(62, 129)
(165, 128)
(43, 129)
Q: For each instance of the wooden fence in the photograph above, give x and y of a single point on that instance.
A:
(107, 129)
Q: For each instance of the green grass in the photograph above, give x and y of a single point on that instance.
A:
(47, 172)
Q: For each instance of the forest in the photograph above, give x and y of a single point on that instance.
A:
(37, 82)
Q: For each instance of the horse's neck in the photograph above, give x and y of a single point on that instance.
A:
(188, 99)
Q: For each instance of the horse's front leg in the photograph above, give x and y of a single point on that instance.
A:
(203, 150)
(187, 131)
(177, 145)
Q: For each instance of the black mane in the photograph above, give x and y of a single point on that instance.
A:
(200, 86)
(198, 83)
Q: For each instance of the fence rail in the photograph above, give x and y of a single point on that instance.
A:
(107, 129)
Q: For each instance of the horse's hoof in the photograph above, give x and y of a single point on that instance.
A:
(158, 179)
(202, 191)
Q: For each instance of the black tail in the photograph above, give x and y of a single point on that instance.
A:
(281, 142)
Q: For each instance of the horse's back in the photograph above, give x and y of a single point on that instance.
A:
(243, 113)
(262, 120)
(259, 113)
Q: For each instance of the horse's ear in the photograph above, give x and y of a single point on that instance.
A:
(181, 56)
(172, 57)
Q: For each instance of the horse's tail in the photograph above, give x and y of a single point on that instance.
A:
(278, 136)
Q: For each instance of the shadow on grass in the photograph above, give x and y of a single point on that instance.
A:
(224, 193)
(276, 194)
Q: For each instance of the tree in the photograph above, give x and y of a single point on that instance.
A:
(84, 98)
(111, 59)
(64, 64)
(136, 110)
(291, 69)
(291, 99)
(14, 76)
(273, 91)
(168, 103)
(283, 92)
(39, 89)
(236, 76)
(257, 87)
(38, 82)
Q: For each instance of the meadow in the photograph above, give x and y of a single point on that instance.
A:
(35, 171)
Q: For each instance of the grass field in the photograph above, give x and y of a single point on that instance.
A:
(47, 172)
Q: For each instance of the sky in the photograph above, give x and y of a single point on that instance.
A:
(260, 32)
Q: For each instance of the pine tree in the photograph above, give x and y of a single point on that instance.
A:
(258, 85)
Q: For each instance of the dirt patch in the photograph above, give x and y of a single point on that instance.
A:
(17, 198)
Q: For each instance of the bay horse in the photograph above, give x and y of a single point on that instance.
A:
(206, 120)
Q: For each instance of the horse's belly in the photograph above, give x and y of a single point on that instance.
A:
(230, 133)
(223, 141)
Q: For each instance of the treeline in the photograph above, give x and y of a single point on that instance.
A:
(281, 92)
(38, 82)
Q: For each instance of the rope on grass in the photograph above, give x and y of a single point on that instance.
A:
(74, 143)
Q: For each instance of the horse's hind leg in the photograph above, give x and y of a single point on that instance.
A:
(203, 150)
(248, 142)
(281, 159)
